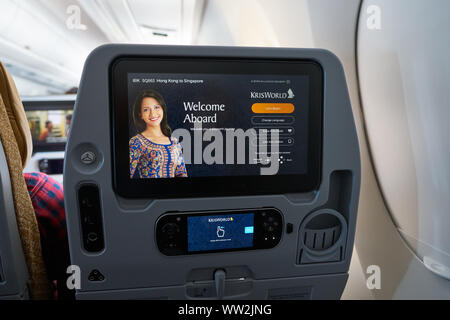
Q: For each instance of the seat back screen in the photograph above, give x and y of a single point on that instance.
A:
(243, 126)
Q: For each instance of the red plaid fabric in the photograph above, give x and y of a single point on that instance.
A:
(48, 201)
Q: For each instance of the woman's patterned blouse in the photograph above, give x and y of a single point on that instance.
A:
(153, 160)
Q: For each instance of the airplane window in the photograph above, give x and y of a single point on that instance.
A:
(407, 123)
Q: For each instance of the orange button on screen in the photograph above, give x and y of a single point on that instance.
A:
(273, 108)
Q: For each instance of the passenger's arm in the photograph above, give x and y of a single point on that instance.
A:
(47, 197)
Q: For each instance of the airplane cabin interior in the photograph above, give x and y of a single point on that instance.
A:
(224, 150)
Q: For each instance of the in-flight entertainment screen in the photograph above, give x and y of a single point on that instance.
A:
(240, 125)
(49, 128)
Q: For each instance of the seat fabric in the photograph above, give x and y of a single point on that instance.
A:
(16, 141)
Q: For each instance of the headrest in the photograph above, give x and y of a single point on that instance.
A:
(16, 115)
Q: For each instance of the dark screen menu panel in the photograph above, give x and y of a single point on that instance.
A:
(207, 233)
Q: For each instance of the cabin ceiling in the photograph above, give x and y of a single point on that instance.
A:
(44, 43)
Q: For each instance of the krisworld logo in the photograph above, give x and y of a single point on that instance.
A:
(272, 95)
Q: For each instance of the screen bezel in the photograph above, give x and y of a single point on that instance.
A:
(222, 185)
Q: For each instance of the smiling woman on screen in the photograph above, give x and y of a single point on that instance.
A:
(154, 153)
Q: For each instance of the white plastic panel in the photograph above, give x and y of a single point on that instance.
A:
(33, 164)
(404, 72)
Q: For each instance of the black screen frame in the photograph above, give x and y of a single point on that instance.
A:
(212, 186)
